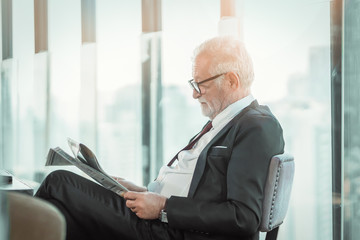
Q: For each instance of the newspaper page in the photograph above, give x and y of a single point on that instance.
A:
(56, 156)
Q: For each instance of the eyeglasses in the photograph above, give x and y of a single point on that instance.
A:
(195, 85)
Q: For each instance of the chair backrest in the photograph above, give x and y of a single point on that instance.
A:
(34, 219)
(277, 192)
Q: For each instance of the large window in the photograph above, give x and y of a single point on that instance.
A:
(92, 92)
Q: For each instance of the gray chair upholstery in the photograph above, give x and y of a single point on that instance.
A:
(277, 193)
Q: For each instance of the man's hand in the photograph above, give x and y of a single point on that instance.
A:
(145, 205)
(129, 185)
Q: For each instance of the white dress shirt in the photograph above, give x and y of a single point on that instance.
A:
(175, 180)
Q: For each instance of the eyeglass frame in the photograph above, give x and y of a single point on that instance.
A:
(195, 85)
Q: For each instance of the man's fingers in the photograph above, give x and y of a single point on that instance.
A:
(117, 178)
(130, 204)
(144, 205)
(130, 195)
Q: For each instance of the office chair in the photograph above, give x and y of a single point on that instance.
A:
(277, 194)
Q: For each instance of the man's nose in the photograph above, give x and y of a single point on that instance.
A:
(196, 95)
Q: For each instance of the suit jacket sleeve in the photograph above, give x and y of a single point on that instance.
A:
(253, 140)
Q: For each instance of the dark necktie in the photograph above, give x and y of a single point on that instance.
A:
(207, 128)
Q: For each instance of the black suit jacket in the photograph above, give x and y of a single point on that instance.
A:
(226, 192)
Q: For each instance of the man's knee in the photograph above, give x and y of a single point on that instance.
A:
(55, 178)
(60, 174)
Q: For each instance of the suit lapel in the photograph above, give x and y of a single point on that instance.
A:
(200, 165)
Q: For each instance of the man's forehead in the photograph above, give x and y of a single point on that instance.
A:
(201, 65)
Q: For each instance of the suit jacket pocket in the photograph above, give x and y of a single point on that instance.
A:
(221, 151)
(217, 160)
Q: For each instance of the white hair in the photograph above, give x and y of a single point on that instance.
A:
(227, 54)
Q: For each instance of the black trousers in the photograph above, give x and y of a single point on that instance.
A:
(93, 212)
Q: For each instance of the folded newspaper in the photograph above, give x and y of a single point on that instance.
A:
(86, 161)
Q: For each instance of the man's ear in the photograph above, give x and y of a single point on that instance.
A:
(234, 80)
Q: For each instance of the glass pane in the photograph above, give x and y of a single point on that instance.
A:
(9, 115)
(41, 94)
(64, 67)
(290, 46)
(119, 75)
(351, 121)
(21, 76)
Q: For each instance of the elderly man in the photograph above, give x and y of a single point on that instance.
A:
(212, 189)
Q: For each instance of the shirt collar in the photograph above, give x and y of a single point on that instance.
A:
(232, 110)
